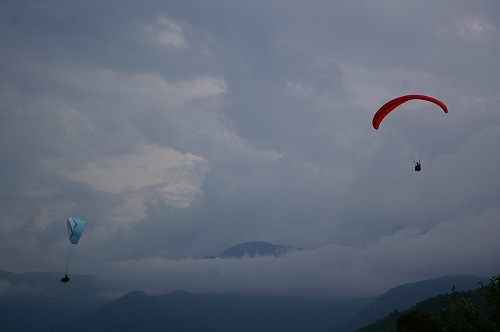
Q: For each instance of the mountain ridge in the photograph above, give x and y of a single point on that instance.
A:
(181, 310)
(184, 311)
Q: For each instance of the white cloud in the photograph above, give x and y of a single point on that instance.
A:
(475, 27)
(405, 256)
(202, 87)
(167, 33)
(171, 172)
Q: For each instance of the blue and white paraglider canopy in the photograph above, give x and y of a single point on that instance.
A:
(75, 229)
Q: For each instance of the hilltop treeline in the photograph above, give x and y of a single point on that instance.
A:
(473, 310)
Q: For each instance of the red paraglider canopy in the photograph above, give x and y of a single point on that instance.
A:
(390, 105)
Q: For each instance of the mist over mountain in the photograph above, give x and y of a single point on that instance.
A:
(37, 301)
(177, 129)
(256, 248)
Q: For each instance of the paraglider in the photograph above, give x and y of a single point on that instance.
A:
(394, 103)
(75, 230)
(418, 166)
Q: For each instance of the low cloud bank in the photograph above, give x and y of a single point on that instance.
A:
(408, 255)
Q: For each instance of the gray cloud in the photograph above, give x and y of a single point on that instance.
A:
(177, 130)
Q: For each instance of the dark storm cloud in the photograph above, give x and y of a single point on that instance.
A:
(179, 129)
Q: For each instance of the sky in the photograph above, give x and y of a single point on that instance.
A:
(178, 129)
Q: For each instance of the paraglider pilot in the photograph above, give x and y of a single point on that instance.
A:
(65, 279)
(418, 166)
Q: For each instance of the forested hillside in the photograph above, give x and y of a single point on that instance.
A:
(473, 310)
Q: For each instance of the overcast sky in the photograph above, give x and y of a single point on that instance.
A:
(177, 129)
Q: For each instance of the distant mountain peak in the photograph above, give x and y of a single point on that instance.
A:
(256, 248)
(136, 294)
